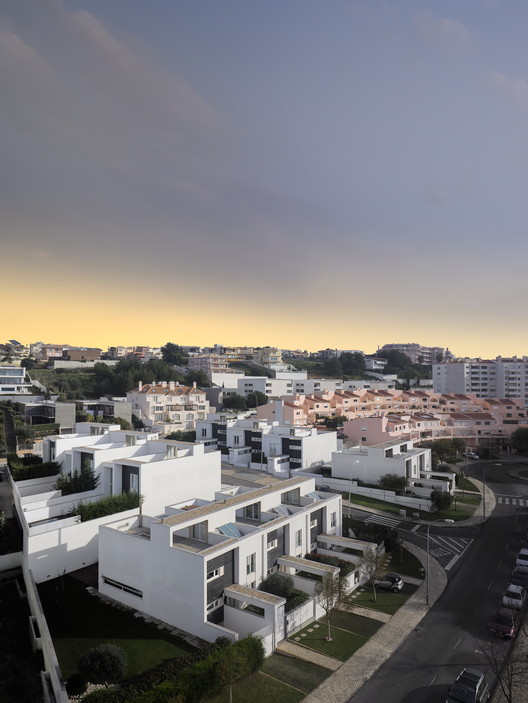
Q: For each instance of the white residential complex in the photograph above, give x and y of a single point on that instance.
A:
(497, 378)
(13, 381)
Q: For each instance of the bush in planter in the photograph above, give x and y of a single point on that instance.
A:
(278, 585)
(297, 598)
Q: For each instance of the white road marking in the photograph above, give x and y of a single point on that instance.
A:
(432, 682)
(456, 645)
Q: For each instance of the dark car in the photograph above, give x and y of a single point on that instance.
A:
(471, 686)
(391, 582)
(505, 622)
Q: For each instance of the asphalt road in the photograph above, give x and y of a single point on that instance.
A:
(454, 633)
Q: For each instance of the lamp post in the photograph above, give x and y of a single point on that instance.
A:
(427, 564)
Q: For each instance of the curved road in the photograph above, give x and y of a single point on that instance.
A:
(454, 633)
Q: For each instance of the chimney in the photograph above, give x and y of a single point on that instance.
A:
(164, 384)
(140, 386)
(279, 415)
(194, 384)
(171, 385)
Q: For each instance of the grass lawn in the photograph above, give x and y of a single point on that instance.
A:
(468, 498)
(386, 601)
(405, 564)
(295, 672)
(261, 688)
(342, 646)
(524, 473)
(355, 623)
(78, 622)
(464, 484)
(461, 513)
(373, 503)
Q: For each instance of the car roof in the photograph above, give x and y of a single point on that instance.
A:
(514, 588)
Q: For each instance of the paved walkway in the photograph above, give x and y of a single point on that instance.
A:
(309, 655)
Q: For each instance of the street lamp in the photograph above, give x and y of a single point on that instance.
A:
(427, 563)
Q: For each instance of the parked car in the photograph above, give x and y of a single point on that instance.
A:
(514, 597)
(505, 622)
(522, 558)
(391, 582)
(471, 686)
(471, 455)
(519, 576)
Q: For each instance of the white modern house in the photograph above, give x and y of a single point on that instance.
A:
(161, 471)
(206, 559)
(267, 445)
(14, 381)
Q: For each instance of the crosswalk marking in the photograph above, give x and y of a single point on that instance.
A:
(382, 520)
(504, 500)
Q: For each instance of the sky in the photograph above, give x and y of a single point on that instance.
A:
(294, 173)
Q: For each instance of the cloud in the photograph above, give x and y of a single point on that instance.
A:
(515, 89)
(441, 31)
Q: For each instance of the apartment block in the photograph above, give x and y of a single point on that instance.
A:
(166, 402)
(496, 378)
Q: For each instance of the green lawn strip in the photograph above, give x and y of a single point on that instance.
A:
(262, 688)
(374, 503)
(341, 647)
(295, 672)
(523, 473)
(386, 601)
(467, 499)
(78, 622)
(358, 624)
(405, 563)
(459, 514)
(464, 484)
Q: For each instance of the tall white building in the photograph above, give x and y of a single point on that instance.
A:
(499, 378)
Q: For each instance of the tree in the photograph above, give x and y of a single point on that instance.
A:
(198, 377)
(519, 439)
(230, 667)
(28, 363)
(183, 435)
(173, 354)
(510, 668)
(256, 398)
(330, 591)
(441, 500)
(373, 564)
(105, 664)
(235, 402)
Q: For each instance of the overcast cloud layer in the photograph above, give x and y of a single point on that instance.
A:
(305, 154)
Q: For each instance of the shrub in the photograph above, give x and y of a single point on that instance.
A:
(105, 663)
(23, 468)
(441, 500)
(78, 482)
(297, 598)
(106, 506)
(278, 585)
(345, 567)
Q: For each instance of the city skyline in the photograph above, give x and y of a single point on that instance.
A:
(295, 174)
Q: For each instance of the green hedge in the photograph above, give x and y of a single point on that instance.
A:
(296, 599)
(106, 506)
(26, 467)
(146, 686)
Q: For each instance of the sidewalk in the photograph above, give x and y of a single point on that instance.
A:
(349, 678)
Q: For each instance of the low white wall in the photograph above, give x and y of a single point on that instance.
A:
(11, 561)
(57, 505)
(68, 547)
(345, 486)
(51, 663)
(299, 617)
(242, 621)
(34, 486)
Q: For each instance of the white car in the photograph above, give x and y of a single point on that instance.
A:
(522, 558)
(471, 455)
(514, 598)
